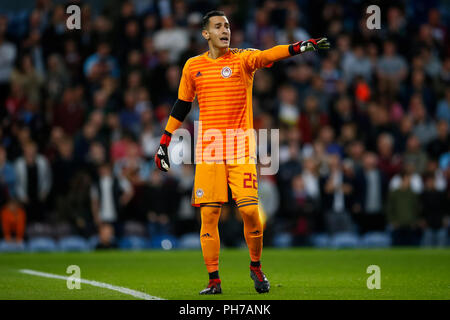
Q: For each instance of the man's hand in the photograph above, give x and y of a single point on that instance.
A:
(162, 156)
(310, 45)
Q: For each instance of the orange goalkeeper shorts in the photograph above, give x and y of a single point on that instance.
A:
(212, 179)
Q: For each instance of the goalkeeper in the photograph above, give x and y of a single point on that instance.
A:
(222, 80)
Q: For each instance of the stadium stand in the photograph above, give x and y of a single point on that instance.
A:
(364, 128)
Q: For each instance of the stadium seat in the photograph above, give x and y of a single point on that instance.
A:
(93, 242)
(134, 228)
(434, 239)
(39, 230)
(133, 243)
(344, 240)
(166, 242)
(11, 246)
(376, 240)
(189, 241)
(62, 230)
(41, 244)
(73, 243)
(282, 240)
(320, 240)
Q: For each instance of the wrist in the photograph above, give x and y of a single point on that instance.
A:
(165, 139)
(295, 48)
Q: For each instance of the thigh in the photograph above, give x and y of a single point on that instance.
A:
(243, 180)
(210, 183)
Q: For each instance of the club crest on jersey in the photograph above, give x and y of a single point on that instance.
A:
(226, 72)
(199, 193)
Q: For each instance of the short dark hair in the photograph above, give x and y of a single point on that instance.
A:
(205, 19)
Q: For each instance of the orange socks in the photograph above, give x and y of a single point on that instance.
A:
(253, 228)
(209, 235)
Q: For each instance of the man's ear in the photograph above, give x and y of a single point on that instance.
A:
(205, 34)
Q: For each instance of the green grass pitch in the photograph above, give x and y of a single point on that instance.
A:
(294, 274)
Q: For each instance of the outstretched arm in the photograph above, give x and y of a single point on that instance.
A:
(258, 59)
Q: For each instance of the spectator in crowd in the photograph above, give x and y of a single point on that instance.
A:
(26, 76)
(7, 178)
(439, 145)
(268, 195)
(311, 119)
(391, 69)
(84, 139)
(311, 178)
(288, 111)
(291, 30)
(109, 194)
(435, 212)
(337, 190)
(101, 64)
(69, 110)
(416, 181)
(424, 127)
(159, 208)
(370, 196)
(13, 221)
(34, 181)
(187, 219)
(355, 152)
(8, 54)
(415, 155)
(57, 78)
(443, 108)
(302, 211)
(403, 212)
(288, 168)
(64, 169)
(357, 64)
(171, 38)
(388, 162)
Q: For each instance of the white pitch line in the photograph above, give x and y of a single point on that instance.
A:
(134, 293)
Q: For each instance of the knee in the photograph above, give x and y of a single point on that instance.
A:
(250, 213)
(210, 215)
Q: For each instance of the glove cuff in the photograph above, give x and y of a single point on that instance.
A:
(165, 139)
(295, 48)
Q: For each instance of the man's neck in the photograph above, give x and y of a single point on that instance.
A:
(215, 53)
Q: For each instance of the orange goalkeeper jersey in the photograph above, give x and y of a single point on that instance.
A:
(224, 91)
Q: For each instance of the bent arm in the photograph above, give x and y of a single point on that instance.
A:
(177, 115)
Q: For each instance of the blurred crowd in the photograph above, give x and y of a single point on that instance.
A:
(364, 127)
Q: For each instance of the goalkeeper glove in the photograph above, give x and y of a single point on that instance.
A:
(162, 156)
(309, 45)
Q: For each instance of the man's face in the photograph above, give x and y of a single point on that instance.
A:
(218, 31)
(30, 152)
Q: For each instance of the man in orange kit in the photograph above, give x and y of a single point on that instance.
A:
(222, 80)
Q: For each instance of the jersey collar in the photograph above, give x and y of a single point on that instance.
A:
(218, 59)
